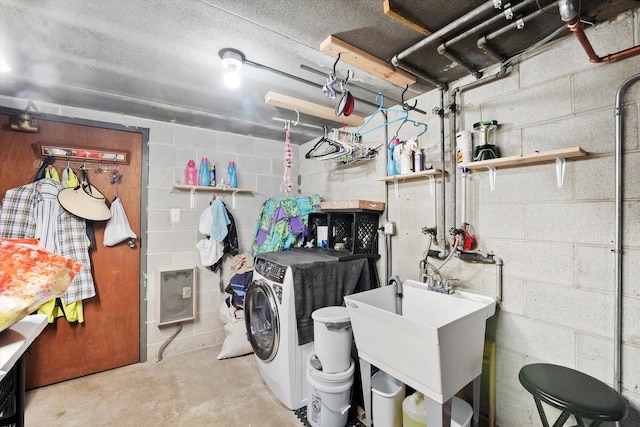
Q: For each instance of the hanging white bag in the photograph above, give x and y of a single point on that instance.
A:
(117, 229)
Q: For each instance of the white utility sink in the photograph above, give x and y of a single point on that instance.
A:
(435, 346)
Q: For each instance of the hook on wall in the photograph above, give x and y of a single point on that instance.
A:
(406, 106)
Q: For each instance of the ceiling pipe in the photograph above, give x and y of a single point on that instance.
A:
(570, 14)
(436, 36)
(508, 14)
(483, 42)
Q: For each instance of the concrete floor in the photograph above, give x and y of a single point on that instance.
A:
(190, 389)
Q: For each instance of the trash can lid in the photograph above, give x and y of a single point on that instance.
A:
(331, 314)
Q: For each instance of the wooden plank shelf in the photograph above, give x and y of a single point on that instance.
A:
(527, 159)
(411, 176)
(183, 187)
(192, 189)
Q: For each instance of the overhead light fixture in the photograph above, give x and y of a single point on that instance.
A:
(232, 61)
(4, 67)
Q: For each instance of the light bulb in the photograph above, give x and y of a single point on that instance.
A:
(231, 79)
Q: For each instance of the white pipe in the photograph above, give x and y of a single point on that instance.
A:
(463, 200)
(618, 238)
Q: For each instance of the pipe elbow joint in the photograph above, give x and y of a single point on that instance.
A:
(482, 42)
(395, 61)
(442, 49)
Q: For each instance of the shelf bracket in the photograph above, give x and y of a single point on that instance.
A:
(234, 200)
(192, 198)
(396, 188)
(561, 163)
(492, 177)
(432, 184)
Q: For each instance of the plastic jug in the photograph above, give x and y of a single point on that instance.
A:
(391, 164)
(233, 177)
(191, 173)
(203, 178)
(414, 411)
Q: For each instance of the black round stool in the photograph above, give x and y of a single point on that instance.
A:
(574, 393)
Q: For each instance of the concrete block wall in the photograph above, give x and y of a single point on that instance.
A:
(170, 146)
(558, 301)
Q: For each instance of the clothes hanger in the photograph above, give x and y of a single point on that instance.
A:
(363, 129)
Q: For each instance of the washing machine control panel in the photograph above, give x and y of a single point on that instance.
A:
(270, 270)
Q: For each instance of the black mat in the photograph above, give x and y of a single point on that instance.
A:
(302, 416)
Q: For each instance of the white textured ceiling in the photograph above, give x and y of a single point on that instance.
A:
(159, 58)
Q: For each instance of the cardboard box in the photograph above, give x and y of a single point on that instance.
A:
(352, 204)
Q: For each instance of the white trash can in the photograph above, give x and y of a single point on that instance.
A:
(386, 400)
(332, 338)
(329, 396)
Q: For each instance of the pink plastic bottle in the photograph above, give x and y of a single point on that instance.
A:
(191, 173)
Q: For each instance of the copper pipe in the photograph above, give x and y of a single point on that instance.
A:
(576, 27)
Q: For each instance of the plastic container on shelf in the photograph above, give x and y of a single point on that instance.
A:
(391, 164)
(233, 175)
(212, 175)
(191, 173)
(203, 176)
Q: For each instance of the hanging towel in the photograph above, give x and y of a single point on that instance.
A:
(219, 220)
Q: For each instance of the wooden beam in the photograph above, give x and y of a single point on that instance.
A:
(405, 18)
(306, 107)
(333, 46)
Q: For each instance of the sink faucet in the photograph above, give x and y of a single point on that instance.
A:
(434, 283)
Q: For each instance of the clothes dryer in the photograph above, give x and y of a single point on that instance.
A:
(270, 317)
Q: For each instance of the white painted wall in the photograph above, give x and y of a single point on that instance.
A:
(555, 243)
(260, 168)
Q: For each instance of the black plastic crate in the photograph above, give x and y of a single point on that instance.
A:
(354, 232)
(8, 396)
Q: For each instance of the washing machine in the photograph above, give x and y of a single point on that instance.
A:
(270, 317)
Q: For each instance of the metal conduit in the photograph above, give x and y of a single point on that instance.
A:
(622, 90)
(483, 41)
(443, 31)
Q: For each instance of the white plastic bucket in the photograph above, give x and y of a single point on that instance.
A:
(332, 338)
(329, 397)
(386, 400)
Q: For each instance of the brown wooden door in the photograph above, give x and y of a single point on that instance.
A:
(110, 335)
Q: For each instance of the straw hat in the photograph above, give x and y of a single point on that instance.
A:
(85, 201)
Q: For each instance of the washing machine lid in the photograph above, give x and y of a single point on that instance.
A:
(262, 319)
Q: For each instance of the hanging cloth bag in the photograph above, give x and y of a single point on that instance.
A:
(117, 229)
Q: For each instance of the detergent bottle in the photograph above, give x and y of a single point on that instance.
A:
(203, 178)
(191, 173)
(233, 177)
(414, 411)
(391, 164)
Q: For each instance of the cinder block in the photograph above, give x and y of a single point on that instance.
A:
(569, 307)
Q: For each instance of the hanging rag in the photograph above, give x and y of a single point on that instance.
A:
(328, 89)
(240, 263)
(52, 173)
(219, 220)
(69, 178)
(285, 186)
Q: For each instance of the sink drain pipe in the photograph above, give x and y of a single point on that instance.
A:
(475, 257)
(622, 90)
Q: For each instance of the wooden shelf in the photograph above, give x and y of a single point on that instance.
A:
(195, 188)
(225, 189)
(411, 176)
(527, 159)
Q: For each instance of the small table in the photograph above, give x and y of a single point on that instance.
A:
(14, 341)
(574, 393)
